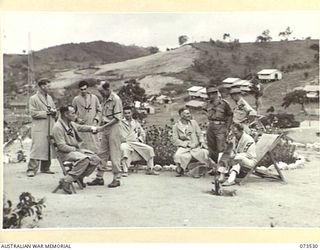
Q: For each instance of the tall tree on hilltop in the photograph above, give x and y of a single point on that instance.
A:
(286, 34)
(183, 39)
(264, 37)
(225, 36)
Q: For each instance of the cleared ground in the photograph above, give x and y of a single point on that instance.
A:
(167, 201)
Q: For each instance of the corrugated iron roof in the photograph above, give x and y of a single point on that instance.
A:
(195, 88)
(231, 80)
(267, 71)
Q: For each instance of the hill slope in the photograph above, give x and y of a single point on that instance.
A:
(67, 56)
(193, 64)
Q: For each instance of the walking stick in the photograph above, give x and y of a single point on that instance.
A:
(49, 144)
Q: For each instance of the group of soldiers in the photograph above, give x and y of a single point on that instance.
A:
(90, 132)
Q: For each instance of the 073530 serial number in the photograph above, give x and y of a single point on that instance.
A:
(309, 246)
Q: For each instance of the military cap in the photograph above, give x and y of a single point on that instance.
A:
(43, 81)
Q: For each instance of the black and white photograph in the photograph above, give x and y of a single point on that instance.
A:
(160, 120)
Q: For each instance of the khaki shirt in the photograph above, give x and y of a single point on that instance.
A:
(219, 112)
(242, 111)
(112, 108)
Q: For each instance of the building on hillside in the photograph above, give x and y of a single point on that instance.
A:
(312, 92)
(268, 75)
(195, 104)
(203, 94)
(227, 83)
(194, 91)
(244, 85)
(150, 109)
(163, 99)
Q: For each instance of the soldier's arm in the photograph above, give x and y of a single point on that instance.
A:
(141, 133)
(98, 110)
(62, 146)
(229, 114)
(82, 128)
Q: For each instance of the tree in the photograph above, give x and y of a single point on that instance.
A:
(286, 34)
(153, 50)
(225, 35)
(295, 97)
(132, 92)
(183, 39)
(264, 37)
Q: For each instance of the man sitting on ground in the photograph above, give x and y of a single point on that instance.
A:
(188, 137)
(132, 144)
(243, 155)
(66, 135)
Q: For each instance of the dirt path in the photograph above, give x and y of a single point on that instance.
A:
(167, 201)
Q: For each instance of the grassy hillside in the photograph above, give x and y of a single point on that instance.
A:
(67, 56)
(191, 64)
(221, 60)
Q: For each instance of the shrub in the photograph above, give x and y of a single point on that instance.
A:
(314, 46)
(27, 207)
(282, 152)
(160, 139)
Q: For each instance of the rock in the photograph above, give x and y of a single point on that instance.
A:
(282, 165)
(166, 168)
(157, 167)
(173, 167)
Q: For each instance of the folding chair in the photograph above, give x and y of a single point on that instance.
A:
(66, 166)
(264, 146)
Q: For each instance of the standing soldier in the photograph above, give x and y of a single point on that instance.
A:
(220, 120)
(243, 113)
(88, 110)
(43, 112)
(110, 143)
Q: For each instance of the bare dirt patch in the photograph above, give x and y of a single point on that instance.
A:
(167, 201)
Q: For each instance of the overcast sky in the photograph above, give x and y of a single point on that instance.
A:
(147, 29)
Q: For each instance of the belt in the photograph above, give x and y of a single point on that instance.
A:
(217, 122)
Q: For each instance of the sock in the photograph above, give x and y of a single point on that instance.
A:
(232, 176)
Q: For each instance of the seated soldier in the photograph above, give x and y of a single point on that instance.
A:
(188, 137)
(243, 155)
(132, 144)
(66, 136)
